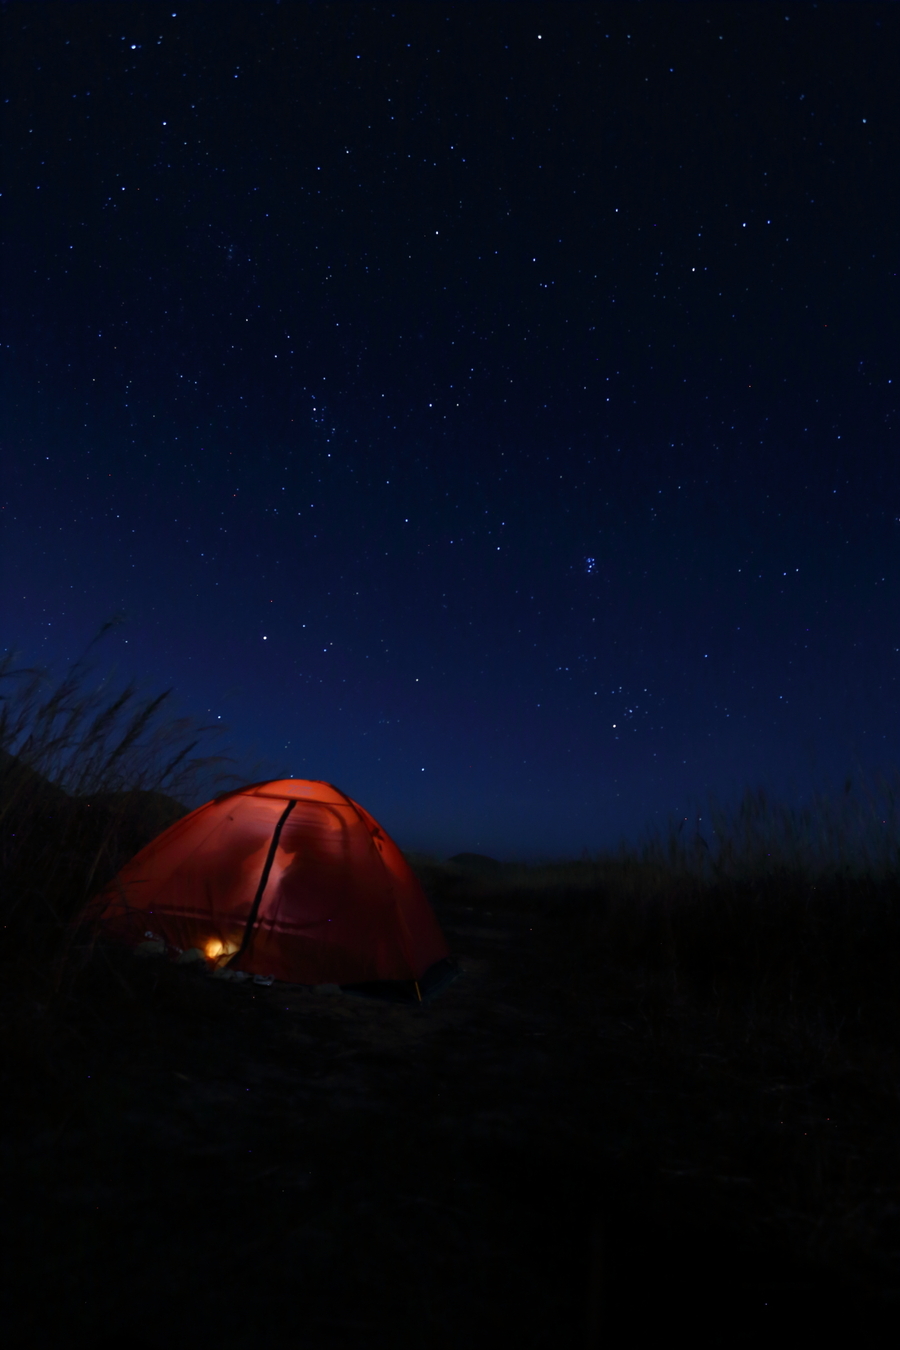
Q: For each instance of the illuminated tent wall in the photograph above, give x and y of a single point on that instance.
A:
(291, 879)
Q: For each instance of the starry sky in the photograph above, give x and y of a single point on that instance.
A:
(490, 408)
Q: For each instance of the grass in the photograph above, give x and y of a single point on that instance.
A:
(89, 772)
(664, 1089)
(761, 977)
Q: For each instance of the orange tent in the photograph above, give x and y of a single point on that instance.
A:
(291, 879)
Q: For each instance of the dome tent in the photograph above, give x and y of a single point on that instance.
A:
(291, 879)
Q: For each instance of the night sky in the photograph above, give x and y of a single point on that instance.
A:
(489, 408)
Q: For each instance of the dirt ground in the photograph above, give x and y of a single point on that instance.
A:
(520, 1162)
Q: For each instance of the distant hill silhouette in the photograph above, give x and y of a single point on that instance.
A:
(49, 832)
(475, 862)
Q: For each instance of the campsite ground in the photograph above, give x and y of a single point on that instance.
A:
(551, 1152)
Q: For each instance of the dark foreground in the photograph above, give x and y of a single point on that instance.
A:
(544, 1155)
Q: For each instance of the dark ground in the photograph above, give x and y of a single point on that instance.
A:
(535, 1158)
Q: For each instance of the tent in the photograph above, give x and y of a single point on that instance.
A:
(291, 879)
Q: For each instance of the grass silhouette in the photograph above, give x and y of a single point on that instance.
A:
(89, 772)
(663, 1088)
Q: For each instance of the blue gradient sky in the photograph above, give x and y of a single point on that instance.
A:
(490, 409)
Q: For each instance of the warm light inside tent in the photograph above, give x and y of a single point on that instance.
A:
(215, 948)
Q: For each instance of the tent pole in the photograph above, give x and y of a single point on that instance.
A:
(254, 908)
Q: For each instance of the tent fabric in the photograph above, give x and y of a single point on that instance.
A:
(291, 878)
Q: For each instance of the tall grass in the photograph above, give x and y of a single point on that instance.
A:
(90, 770)
(853, 835)
(763, 909)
